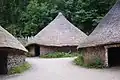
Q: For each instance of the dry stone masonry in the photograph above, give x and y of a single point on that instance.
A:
(15, 60)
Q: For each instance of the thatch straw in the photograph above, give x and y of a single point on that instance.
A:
(107, 31)
(9, 41)
(60, 32)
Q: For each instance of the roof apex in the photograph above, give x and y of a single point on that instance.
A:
(59, 32)
(60, 13)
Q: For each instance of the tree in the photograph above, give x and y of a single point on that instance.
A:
(10, 12)
(37, 16)
(28, 17)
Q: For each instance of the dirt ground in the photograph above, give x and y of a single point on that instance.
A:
(63, 69)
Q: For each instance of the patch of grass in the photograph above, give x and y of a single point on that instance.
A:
(20, 69)
(58, 55)
(94, 63)
(79, 60)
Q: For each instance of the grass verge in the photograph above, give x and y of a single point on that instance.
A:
(20, 69)
(59, 55)
(94, 63)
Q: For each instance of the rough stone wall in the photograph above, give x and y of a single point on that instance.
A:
(46, 49)
(15, 60)
(90, 53)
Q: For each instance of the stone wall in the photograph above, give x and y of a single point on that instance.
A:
(47, 49)
(15, 60)
(90, 53)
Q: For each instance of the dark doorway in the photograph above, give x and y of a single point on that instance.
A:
(114, 56)
(3, 63)
(37, 50)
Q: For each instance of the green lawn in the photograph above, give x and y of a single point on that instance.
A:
(20, 69)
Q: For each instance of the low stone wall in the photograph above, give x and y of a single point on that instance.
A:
(92, 52)
(15, 60)
(50, 49)
(46, 50)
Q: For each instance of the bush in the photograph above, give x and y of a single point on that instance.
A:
(94, 63)
(79, 60)
(20, 69)
(57, 55)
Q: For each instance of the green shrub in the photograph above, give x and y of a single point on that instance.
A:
(94, 63)
(20, 69)
(79, 60)
(58, 55)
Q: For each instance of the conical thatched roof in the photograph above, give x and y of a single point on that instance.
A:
(9, 41)
(107, 31)
(60, 32)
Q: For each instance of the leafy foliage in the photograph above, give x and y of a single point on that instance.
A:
(10, 12)
(28, 17)
(79, 60)
(94, 63)
(20, 69)
(58, 55)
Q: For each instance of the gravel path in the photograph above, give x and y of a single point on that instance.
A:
(63, 69)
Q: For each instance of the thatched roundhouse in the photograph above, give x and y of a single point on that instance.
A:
(11, 52)
(104, 41)
(58, 36)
